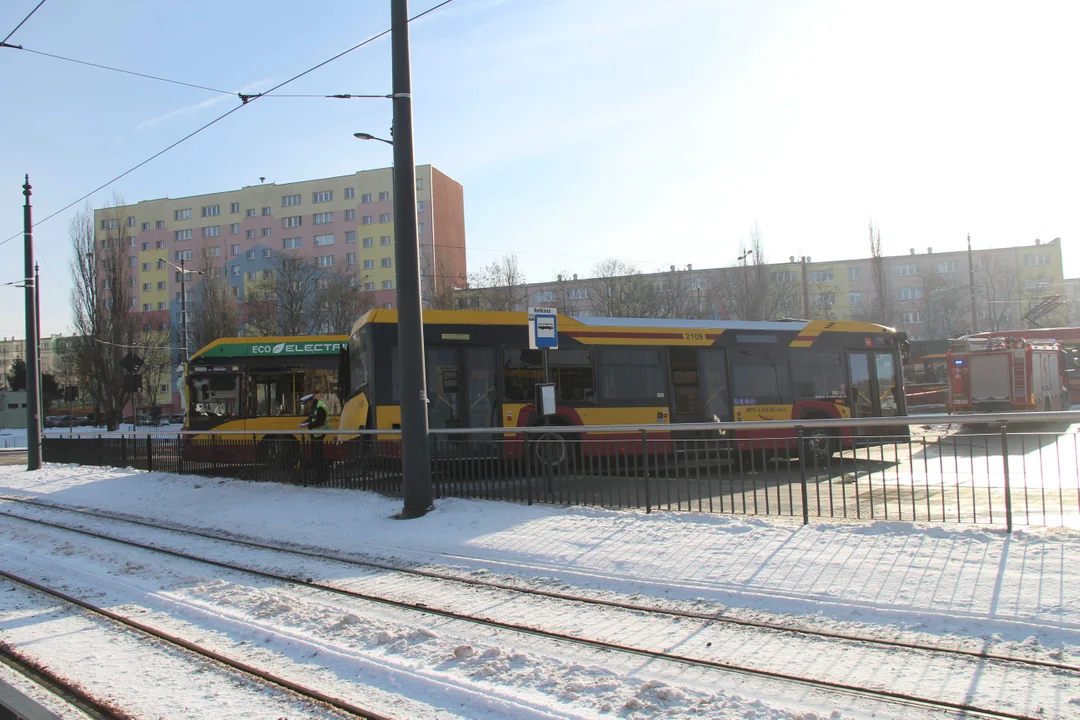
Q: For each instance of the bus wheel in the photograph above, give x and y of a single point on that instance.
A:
(818, 447)
(549, 451)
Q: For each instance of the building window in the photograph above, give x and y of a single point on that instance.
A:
(367, 242)
(251, 275)
(234, 208)
(419, 183)
(146, 246)
(131, 221)
(183, 255)
(387, 284)
(250, 212)
(350, 258)
(146, 268)
(855, 298)
(544, 296)
(211, 210)
(236, 271)
(290, 200)
(110, 224)
(350, 214)
(292, 221)
(236, 291)
(324, 218)
(1034, 260)
(234, 250)
(266, 210)
(250, 254)
(249, 234)
(321, 240)
(160, 264)
(366, 220)
(182, 214)
(369, 264)
(325, 261)
(384, 239)
(419, 228)
(131, 242)
(384, 195)
(182, 234)
(350, 236)
(580, 293)
(145, 226)
(853, 273)
(907, 269)
(292, 243)
(910, 318)
(384, 217)
(369, 286)
(160, 225)
(350, 193)
(419, 206)
(212, 252)
(162, 305)
(266, 253)
(946, 266)
(365, 198)
(266, 232)
(212, 231)
(147, 307)
(160, 245)
(385, 262)
(234, 229)
(322, 196)
(914, 293)
(820, 276)
(146, 287)
(161, 285)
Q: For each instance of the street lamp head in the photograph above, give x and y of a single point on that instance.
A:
(369, 136)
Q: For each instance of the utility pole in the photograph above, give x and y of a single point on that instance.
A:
(971, 287)
(183, 307)
(415, 453)
(37, 315)
(33, 366)
(805, 289)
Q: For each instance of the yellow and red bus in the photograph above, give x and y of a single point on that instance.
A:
(255, 384)
(627, 371)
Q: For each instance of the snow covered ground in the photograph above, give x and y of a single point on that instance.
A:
(975, 588)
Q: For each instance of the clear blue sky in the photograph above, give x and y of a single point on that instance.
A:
(655, 132)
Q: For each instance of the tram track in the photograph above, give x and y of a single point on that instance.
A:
(568, 597)
(64, 689)
(878, 694)
(265, 676)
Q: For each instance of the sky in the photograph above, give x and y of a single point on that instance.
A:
(659, 133)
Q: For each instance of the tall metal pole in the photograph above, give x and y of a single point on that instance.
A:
(37, 316)
(33, 367)
(415, 454)
(971, 286)
(183, 306)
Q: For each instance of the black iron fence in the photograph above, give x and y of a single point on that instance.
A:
(1022, 469)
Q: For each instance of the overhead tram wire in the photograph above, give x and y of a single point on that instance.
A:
(221, 117)
(23, 21)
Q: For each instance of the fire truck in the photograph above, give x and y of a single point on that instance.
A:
(1069, 337)
(1006, 374)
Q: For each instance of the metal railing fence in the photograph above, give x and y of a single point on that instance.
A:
(992, 469)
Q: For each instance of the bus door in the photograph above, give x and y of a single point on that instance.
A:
(874, 384)
(698, 385)
(461, 387)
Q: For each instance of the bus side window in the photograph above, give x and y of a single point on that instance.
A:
(758, 376)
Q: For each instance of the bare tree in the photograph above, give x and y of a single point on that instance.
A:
(822, 299)
(943, 306)
(882, 307)
(284, 301)
(156, 351)
(751, 290)
(342, 299)
(212, 312)
(996, 289)
(679, 295)
(502, 285)
(102, 304)
(567, 295)
(442, 284)
(618, 289)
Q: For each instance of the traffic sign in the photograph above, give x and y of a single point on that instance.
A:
(132, 363)
(543, 328)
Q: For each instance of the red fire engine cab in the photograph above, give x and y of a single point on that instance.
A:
(1006, 374)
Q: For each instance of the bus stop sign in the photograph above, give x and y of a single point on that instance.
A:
(543, 328)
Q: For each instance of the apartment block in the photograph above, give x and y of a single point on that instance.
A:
(926, 293)
(50, 353)
(337, 221)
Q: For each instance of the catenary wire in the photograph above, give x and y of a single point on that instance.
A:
(221, 117)
(23, 21)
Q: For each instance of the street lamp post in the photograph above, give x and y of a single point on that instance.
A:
(33, 366)
(183, 301)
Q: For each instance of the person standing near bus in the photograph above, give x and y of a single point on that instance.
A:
(318, 419)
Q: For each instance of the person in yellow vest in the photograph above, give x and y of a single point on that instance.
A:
(318, 419)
